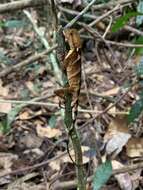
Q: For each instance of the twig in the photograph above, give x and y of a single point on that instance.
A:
(108, 27)
(73, 12)
(15, 5)
(107, 42)
(111, 4)
(128, 168)
(109, 107)
(92, 128)
(125, 44)
(74, 20)
(133, 30)
(35, 102)
(102, 17)
(90, 16)
(70, 184)
(85, 84)
(55, 16)
(47, 46)
(34, 167)
(94, 33)
(73, 184)
(26, 62)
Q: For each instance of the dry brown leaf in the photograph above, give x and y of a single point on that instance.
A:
(48, 132)
(4, 91)
(134, 147)
(116, 125)
(5, 107)
(29, 114)
(38, 122)
(30, 141)
(116, 143)
(24, 115)
(117, 136)
(124, 180)
(111, 92)
(30, 86)
(19, 183)
(55, 165)
(112, 110)
(6, 160)
(66, 158)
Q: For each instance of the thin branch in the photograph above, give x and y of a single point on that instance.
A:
(29, 60)
(55, 16)
(108, 27)
(90, 16)
(35, 102)
(124, 44)
(74, 20)
(70, 184)
(133, 30)
(109, 107)
(15, 5)
(111, 4)
(108, 42)
(102, 17)
(46, 45)
(34, 167)
(73, 12)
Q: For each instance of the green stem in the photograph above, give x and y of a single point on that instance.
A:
(73, 134)
(68, 118)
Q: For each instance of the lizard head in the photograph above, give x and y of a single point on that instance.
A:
(72, 37)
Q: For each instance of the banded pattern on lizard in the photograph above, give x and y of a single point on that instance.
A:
(72, 66)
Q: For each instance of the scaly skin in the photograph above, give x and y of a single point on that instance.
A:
(72, 66)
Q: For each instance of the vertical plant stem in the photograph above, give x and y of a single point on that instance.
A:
(73, 134)
(68, 117)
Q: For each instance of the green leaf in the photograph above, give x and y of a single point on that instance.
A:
(139, 51)
(3, 126)
(7, 119)
(14, 23)
(52, 121)
(102, 174)
(120, 22)
(139, 19)
(135, 110)
(12, 114)
(1, 24)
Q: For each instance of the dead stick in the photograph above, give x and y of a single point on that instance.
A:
(74, 20)
(15, 5)
(73, 183)
(27, 61)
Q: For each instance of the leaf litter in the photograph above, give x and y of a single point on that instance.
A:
(31, 139)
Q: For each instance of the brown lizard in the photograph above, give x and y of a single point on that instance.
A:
(72, 66)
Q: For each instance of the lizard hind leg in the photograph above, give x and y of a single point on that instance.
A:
(60, 94)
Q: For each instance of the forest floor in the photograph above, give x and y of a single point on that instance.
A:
(33, 140)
